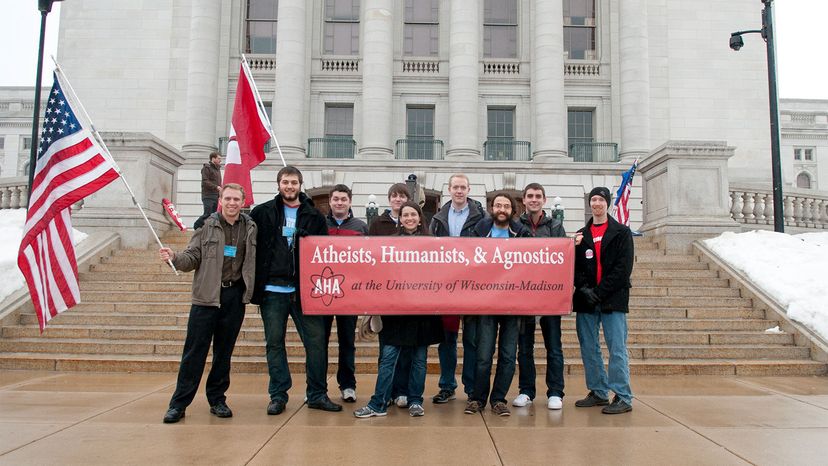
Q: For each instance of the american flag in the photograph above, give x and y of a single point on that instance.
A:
(70, 166)
(621, 210)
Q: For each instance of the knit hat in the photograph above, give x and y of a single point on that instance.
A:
(601, 191)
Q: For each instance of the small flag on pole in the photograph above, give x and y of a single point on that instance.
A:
(621, 208)
(70, 166)
(249, 131)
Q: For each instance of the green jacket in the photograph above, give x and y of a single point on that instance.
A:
(205, 255)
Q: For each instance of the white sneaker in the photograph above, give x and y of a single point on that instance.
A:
(401, 401)
(555, 402)
(522, 400)
(349, 395)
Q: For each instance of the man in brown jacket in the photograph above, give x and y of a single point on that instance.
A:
(210, 187)
(223, 255)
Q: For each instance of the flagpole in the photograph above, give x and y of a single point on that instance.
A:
(261, 106)
(74, 97)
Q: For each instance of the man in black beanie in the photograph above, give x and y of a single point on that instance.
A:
(603, 265)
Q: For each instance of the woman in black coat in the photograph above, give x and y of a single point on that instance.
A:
(415, 333)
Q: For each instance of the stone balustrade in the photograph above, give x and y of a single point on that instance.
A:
(14, 192)
(801, 209)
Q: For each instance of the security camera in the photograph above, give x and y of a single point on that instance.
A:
(736, 42)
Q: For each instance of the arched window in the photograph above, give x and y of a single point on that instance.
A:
(803, 180)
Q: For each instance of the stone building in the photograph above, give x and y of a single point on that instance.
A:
(365, 92)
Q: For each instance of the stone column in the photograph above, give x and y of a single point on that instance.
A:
(202, 79)
(377, 48)
(464, 62)
(288, 117)
(634, 80)
(548, 103)
(701, 208)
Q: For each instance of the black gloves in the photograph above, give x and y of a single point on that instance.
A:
(589, 295)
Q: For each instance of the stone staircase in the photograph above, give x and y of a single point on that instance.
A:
(684, 319)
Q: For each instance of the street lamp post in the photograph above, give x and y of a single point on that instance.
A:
(45, 7)
(736, 43)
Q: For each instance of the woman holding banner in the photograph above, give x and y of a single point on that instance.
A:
(398, 332)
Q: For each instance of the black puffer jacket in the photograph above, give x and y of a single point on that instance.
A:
(277, 263)
(617, 255)
(547, 227)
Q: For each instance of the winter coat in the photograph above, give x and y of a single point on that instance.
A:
(548, 227)
(210, 180)
(277, 263)
(205, 255)
(440, 222)
(352, 226)
(516, 229)
(383, 225)
(417, 330)
(617, 255)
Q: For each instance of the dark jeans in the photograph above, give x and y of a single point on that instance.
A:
(447, 351)
(210, 205)
(506, 352)
(389, 355)
(275, 310)
(402, 373)
(345, 334)
(220, 325)
(551, 329)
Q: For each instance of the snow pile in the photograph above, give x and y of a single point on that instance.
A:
(791, 269)
(11, 232)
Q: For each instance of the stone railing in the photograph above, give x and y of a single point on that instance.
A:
(501, 68)
(753, 206)
(262, 62)
(580, 69)
(421, 66)
(14, 192)
(340, 64)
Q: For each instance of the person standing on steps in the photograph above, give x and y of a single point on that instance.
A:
(223, 255)
(210, 187)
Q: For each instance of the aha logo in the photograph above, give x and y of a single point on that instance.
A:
(327, 286)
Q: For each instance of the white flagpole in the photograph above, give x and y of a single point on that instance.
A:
(249, 77)
(88, 122)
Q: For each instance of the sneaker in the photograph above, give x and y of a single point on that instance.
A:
(500, 409)
(401, 401)
(349, 395)
(473, 407)
(554, 402)
(416, 410)
(444, 396)
(617, 406)
(591, 400)
(522, 400)
(366, 411)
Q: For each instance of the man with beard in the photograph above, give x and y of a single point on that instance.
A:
(282, 222)
(501, 224)
(341, 222)
(457, 218)
(541, 226)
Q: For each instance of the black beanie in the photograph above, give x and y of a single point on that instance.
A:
(600, 191)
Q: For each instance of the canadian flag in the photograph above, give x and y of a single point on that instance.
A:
(249, 132)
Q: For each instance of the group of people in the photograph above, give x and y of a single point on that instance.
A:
(240, 259)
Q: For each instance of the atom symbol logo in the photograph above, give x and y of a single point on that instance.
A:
(327, 286)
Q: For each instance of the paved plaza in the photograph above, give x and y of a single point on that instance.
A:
(102, 418)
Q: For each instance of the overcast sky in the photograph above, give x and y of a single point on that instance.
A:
(801, 44)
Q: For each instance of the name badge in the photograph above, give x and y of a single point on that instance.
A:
(229, 251)
(288, 231)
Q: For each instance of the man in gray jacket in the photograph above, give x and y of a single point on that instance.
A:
(223, 255)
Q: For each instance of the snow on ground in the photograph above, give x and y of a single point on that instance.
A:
(11, 232)
(790, 268)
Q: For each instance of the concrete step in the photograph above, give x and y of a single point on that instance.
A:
(134, 268)
(133, 363)
(668, 264)
(165, 287)
(665, 259)
(146, 297)
(154, 277)
(703, 283)
(647, 272)
(698, 313)
(656, 291)
(672, 301)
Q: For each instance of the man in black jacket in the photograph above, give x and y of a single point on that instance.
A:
(210, 187)
(282, 222)
(603, 265)
(502, 329)
(541, 226)
(457, 218)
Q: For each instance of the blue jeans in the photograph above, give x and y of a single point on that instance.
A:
(551, 329)
(275, 310)
(447, 351)
(402, 373)
(506, 352)
(346, 335)
(615, 334)
(385, 376)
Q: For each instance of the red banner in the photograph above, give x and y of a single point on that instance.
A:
(429, 275)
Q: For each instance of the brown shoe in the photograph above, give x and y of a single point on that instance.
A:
(473, 407)
(500, 409)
